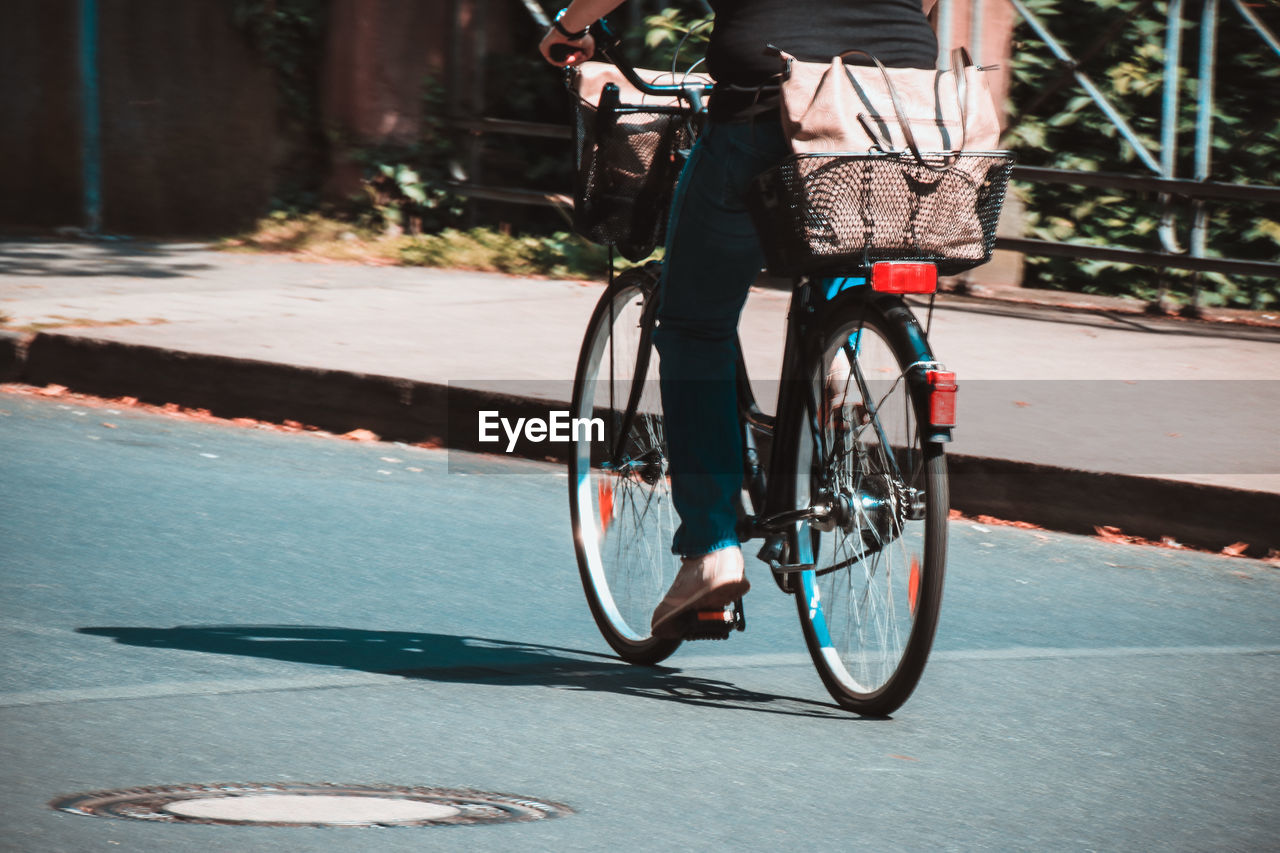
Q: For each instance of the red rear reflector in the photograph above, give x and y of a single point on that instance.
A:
(942, 398)
(904, 277)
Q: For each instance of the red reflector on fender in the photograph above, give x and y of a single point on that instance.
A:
(942, 398)
(904, 277)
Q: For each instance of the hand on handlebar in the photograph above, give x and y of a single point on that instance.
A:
(561, 52)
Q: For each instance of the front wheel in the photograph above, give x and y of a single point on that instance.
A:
(869, 607)
(619, 486)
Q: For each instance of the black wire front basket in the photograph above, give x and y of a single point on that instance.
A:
(628, 163)
(836, 213)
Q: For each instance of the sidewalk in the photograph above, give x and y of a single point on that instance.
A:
(1070, 418)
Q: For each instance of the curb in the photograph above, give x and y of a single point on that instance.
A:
(405, 410)
(13, 355)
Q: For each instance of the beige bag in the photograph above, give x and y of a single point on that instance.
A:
(886, 166)
(860, 108)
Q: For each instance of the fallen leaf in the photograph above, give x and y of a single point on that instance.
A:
(1000, 522)
(1021, 404)
(360, 435)
(1110, 534)
(109, 426)
(52, 391)
(1236, 549)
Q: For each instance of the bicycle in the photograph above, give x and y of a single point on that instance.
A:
(852, 502)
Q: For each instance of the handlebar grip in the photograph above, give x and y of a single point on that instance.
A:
(561, 52)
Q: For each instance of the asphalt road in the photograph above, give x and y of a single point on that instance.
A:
(185, 602)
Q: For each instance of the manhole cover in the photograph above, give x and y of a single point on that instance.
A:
(309, 805)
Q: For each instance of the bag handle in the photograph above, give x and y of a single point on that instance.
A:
(961, 60)
(898, 109)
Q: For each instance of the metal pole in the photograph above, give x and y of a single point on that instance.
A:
(1093, 91)
(535, 11)
(1267, 36)
(1204, 135)
(1169, 113)
(475, 98)
(976, 10)
(453, 60)
(90, 117)
(1169, 128)
(946, 19)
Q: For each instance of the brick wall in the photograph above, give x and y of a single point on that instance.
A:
(39, 113)
(188, 117)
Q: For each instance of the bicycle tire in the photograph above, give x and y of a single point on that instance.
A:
(619, 490)
(869, 607)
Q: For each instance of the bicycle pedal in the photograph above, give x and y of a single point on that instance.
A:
(713, 624)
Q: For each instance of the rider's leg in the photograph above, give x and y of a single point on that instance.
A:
(713, 256)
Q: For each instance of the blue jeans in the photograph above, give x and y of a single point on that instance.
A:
(712, 258)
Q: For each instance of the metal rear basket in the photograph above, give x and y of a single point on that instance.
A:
(833, 213)
(628, 165)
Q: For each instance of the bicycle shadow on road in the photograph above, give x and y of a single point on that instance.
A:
(449, 658)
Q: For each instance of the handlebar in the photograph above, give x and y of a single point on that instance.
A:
(608, 45)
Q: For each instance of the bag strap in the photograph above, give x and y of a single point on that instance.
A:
(898, 109)
(961, 60)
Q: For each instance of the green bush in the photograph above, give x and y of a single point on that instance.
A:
(1068, 131)
(558, 255)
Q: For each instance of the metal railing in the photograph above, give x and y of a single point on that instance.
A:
(1160, 176)
(1199, 189)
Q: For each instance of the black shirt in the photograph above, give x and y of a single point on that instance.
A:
(895, 31)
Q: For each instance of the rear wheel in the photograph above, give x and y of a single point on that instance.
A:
(869, 607)
(619, 487)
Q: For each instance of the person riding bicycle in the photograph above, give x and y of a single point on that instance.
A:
(713, 254)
